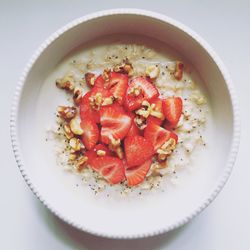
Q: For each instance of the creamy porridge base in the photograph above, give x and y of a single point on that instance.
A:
(191, 128)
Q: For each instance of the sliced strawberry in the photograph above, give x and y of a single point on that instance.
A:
(137, 150)
(111, 168)
(86, 111)
(134, 130)
(99, 82)
(155, 120)
(117, 85)
(137, 174)
(90, 133)
(172, 109)
(174, 136)
(115, 123)
(156, 135)
(147, 91)
(101, 90)
(92, 154)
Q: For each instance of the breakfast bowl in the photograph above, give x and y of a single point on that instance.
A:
(117, 214)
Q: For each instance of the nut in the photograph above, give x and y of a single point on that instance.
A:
(136, 90)
(166, 149)
(66, 112)
(141, 122)
(75, 126)
(67, 131)
(178, 73)
(119, 152)
(77, 95)
(90, 79)
(72, 156)
(67, 83)
(152, 71)
(125, 68)
(114, 144)
(96, 101)
(81, 162)
(100, 152)
(106, 74)
(108, 101)
(75, 144)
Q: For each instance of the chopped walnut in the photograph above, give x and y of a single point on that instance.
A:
(106, 74)
(75, 144)
(81, 162)
(100, 152)
(152, 71)
(67, 83)
(136, 91)
(77, 95)
(119, 152)
(67, 131)
(125, 68)
(90, 79)
(75, 126)
(66, 112)
(148, 109)
(96, 101)
(108, 101)
(178, 73)
(141, 122)
(166, 149)
(72, 156)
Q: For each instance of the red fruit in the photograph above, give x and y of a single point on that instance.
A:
(146, 89)
(90, 133)
(137, 150)
(111, 168)
(134, 130)
(155, 120)
(115, 123)
(99, 82)
(86, 111)
(174, 136)
(103, 91)
(172, 109)
(136, 175)
(117, 85)
(92, 154)
(156, 135)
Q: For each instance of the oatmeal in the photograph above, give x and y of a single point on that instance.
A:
(134, 118)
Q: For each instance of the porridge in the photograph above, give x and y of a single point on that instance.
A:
(132, 118)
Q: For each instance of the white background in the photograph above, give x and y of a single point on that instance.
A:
(26, 224)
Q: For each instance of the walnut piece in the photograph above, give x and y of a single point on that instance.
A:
(75, 144)
(81, 162)
(124, 68)
(179, 68)
(166, 149)
(100, 152)
(75, 126)
(67, 83)
(67, 131)
(90, 79)
(66, 112)
(152, 71)
(77, 95)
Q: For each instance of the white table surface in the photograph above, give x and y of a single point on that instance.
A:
(26, 224)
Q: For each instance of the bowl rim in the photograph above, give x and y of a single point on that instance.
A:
(140, 12)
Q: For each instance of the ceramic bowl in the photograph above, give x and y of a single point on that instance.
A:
(33, 109)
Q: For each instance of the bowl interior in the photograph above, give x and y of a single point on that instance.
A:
(132, 216)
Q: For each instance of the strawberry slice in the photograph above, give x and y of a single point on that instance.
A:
(86, 111)
(117, 85)
(111, 168)
(99, 82)
(172, 109)
(92, 154)
(158, 110)
(137, 150)
(134, 130)
(156, 135)
(90, 133)
(136, 175)
(115, 123)
(139, 89)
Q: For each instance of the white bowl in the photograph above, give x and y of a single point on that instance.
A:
(122, 218)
